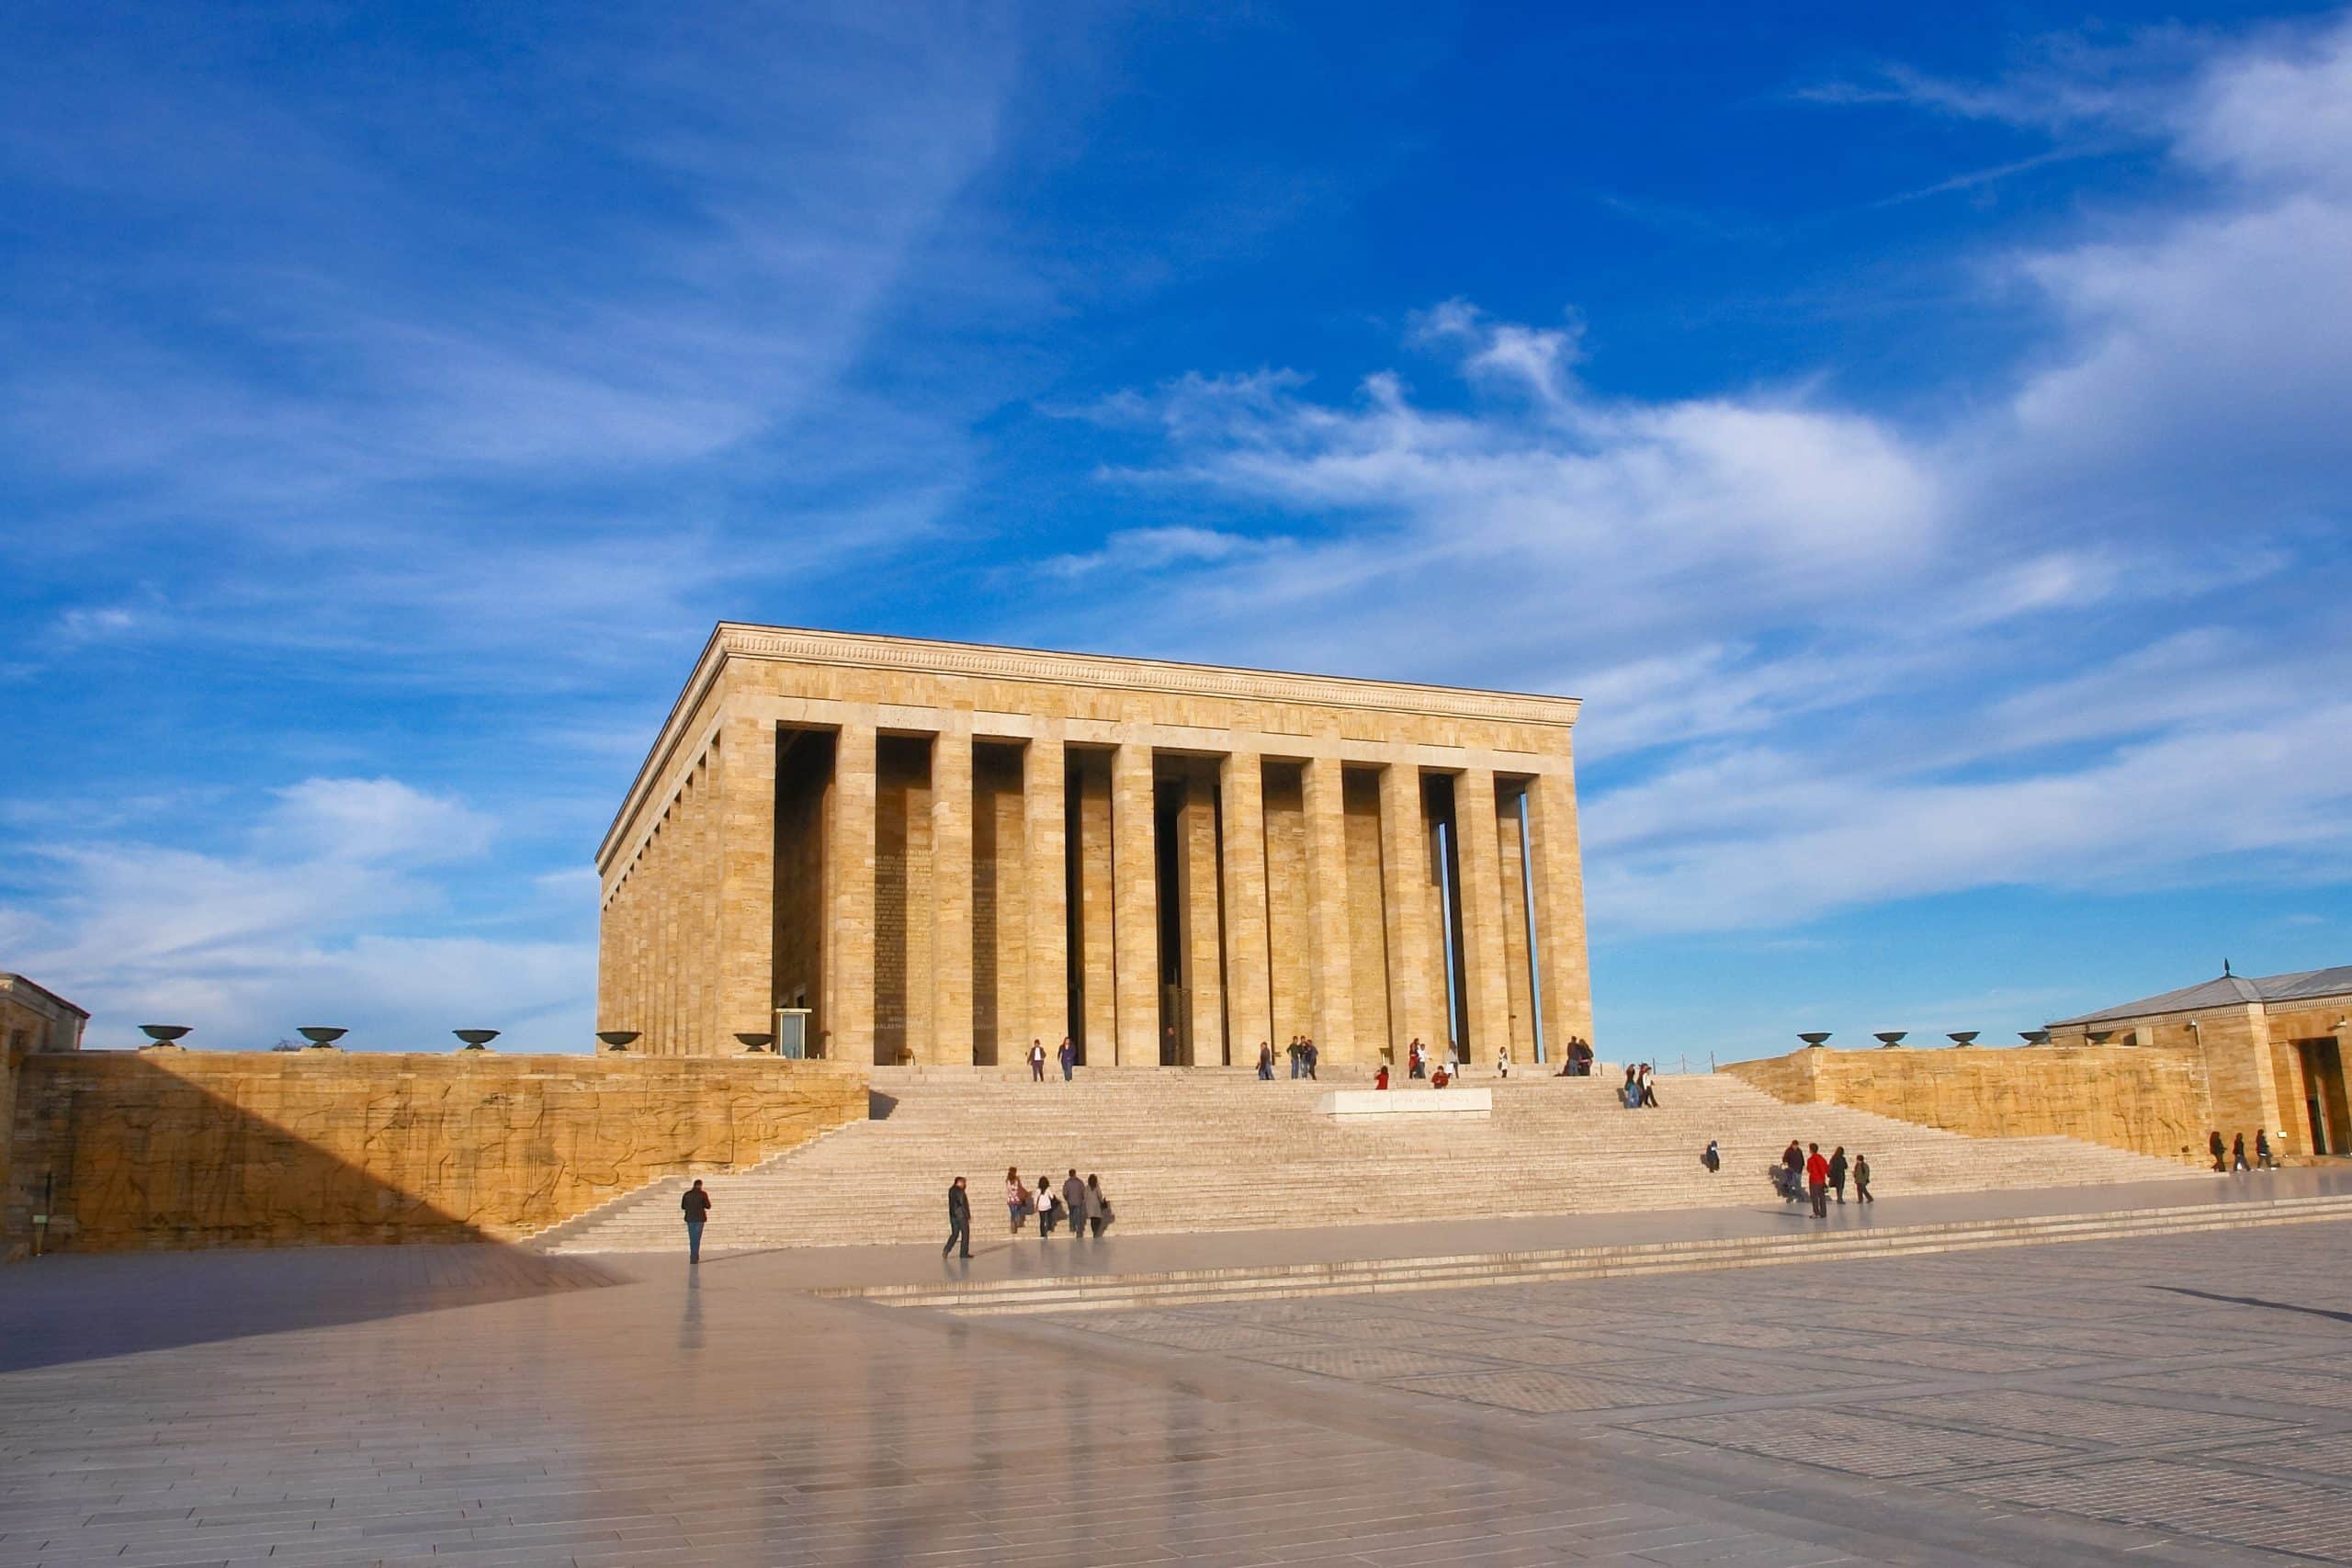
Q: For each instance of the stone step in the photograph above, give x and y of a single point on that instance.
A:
(1195, 1287)
(1197, 1150)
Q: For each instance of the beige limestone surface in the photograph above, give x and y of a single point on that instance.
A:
(154, 1149)
(1209, 858)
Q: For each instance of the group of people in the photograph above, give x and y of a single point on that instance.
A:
(1576, 1061)
(1067, 1056)
(2235, 1159)
(1641, 1088)
(1303, 1053)
(1805, 1172)
(1080, 1205)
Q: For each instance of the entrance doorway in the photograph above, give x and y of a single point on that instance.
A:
(2323, 1098)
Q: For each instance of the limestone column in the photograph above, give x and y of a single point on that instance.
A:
(849, 886)
(1044, 848)
(951, 891)
(1560, 960)
(1250, 1005)
(743, 817)
(1415, 998)
(1333, 976)
(1204, 958)
(1488, 1003)
(1136, 918)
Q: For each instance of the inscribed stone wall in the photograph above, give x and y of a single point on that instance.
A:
(198, 1149)
(2150, 1101)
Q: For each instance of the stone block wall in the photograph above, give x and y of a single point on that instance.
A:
(162, 1150)
(2150, 1101)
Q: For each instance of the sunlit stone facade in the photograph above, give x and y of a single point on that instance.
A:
(944, 850)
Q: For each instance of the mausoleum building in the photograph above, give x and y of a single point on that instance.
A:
(937, 853)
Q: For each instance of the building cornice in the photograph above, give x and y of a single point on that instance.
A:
(794, 645)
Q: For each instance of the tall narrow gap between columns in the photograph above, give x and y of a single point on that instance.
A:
(1438, 798)
(1534, 934)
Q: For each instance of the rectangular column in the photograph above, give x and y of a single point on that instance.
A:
(1203, 950)
(1248, 1001)
(1416, 999)
(1097, 884)
(1560, 962)
(1045, 846)
(849, 886)
(951, 892)
(1135, 932)
(1332, 981)
(1488, 1003)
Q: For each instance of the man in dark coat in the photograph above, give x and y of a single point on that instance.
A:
(1074, 1200)
(2220, 1160)
(1838, 1173)
(696, 1206)
(959, 1219)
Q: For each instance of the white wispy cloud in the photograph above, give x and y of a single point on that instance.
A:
(1833, 659)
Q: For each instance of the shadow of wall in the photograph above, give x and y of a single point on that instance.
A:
(170, 1149)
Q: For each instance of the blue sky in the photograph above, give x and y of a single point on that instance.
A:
(1921, 440)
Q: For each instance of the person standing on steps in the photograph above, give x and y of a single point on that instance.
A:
(1792, 1164)
(1265, 1061)
(1068, 1055)
(2215, 1143)
(1817, 1180)
(1502, 1061)
(696, 1204)
(1016, 1195)
(1074, 1205)
(1037, 1061)
(1098, 1207)
(1713, 1160)
(959, 1219)
(1649, 1089)
(1837, 1172)
(1863, 1180)
(1310, 1055)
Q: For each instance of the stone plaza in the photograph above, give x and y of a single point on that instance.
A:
(2168, 1400)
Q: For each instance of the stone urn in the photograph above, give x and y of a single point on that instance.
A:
(476, 1039)
(323, 1039)
(163, 1036)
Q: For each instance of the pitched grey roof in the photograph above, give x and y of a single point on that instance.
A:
(2232, 990)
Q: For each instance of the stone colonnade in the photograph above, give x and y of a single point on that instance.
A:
(945, 852)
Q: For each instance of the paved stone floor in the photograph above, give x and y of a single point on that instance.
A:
(2182, 1399)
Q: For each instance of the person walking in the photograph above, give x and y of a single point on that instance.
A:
(2237, 1155)
(2215, 1143)
(2262, 1158)
(1074, 1205)
(696, 1204)
(1098, 1207)
(1649, 1087)
(1863, 1180)
(1037, 1061)
(1069, 1058)
(1016, 1196)
(959, 1219)
(1817, 1180)
(1713, 1160)
(1837, 1172)
(1265, 1061)
(1310, 1055)
(1047, 1207)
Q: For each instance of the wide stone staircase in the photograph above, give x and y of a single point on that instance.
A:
(1205, 1149)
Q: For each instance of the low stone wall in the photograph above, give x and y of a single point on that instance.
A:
(171, 1149)
(2151, 1101)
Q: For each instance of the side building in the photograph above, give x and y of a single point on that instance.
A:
(942, 851)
